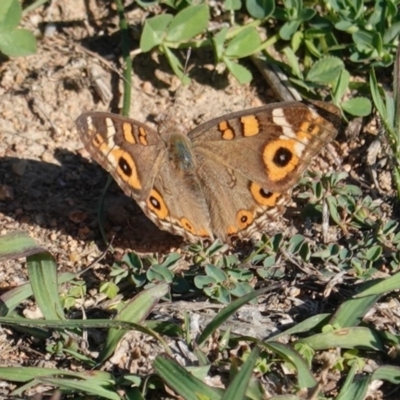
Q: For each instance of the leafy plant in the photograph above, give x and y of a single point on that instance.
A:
(14, 41)
(302, 26)
(220, 285)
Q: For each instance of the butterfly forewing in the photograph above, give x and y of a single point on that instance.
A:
(271, 145)
(122, 146)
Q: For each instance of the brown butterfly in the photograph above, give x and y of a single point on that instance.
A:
(229, 177)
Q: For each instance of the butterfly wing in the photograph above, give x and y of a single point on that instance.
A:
(247, 161)
(150, 169)
(129, 150)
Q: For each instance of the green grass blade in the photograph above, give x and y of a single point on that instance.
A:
(25, 374)
(18, 245)
(316, 322)
(13, 298)
(355, 389)
(42, 271)
(351, 312)
(382, 286)
(305, 377)
(136, 311)
(237, 388)
(90, 387)
(346, 338)
(125, 47)
(396, 93)
(182, 381)
(388, 373)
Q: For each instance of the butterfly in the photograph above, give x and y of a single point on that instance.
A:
(227, 178)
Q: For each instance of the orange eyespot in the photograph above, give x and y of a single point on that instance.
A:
(244, 218)
(280, 158)
(262, 196)
(156, 204)
(187, 226)
(126, 168)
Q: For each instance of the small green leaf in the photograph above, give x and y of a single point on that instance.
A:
(222, 295)
(305, 252)
(341, 85)
(293, 62)
(188, 23)
(297, 40)
(110, 289)
(306, 14)
(159, 273)
(202, 281)
(260, 9)
(241, 289)
(391, 33)
(377, 42)
(232, 5)
(357, 106)
(374, 253)
(171, 260)
(154, 31)
(333, 209)
(312, 48)
(243, 44)
(146, 3)
(295, 243)
(218, 41)
(216, 273)
(289, 29)
(325, 70)
(346, 26)
(242, 74)
(376, 96)
(363, 40)
(17, 43)
(175, 64)
(10, 15)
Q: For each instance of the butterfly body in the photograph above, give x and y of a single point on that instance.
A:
(229, 177)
